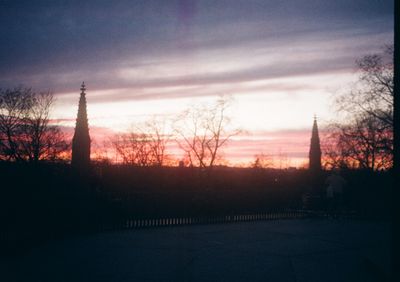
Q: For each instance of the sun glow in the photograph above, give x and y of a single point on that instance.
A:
(266, 110)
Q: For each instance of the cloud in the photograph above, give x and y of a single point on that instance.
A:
(273, 53)
(188, 43)
(211, 72)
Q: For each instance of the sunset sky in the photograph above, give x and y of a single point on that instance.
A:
(282, 61)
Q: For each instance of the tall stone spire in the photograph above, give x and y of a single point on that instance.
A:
(81, 139)
(315, 149)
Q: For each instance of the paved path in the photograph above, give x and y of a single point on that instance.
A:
(281, 250)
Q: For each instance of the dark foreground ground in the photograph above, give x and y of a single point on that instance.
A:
(281, 250)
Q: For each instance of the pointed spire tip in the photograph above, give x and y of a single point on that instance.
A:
(83, 88)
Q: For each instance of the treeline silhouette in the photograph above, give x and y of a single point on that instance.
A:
(47, 200)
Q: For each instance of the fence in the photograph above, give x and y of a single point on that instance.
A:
(138, 223)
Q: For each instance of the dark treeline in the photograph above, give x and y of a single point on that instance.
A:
(46, 200)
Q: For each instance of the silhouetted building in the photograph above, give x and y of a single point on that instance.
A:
(81, 139)
(315, 149)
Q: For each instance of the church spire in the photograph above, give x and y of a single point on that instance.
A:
(315, 148)
(81, 139)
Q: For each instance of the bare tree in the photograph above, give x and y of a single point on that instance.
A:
(361, 143)
(132, 148)
(144, 145)
(101, 151)
(201, 132)
(262, 161)
(158, 140)
(43, 141)
(191, 135)
(13, 110)
(334, 154)
(25, 130)
(374, 92)
(365, 138)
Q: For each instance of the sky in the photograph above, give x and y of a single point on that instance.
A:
(281, 61)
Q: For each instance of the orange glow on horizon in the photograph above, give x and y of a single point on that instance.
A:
(238, 153)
